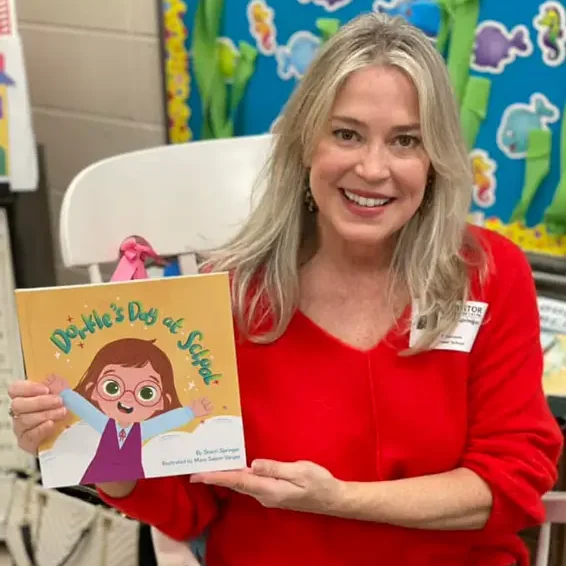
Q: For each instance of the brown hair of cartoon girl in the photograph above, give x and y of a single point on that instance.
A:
(132, 352)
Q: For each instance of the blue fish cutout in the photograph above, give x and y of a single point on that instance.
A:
(423, 14)
(294, 59)
(520, 119)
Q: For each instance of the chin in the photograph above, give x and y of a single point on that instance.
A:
(360, 235)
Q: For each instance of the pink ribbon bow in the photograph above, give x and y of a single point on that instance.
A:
(134, 252)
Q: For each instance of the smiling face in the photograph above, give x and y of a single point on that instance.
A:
(129, 394)
(369, 172)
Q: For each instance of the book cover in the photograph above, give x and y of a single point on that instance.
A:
(553, 342)
(147, 370)
(554, 377)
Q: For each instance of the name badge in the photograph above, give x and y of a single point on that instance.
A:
(462, 338)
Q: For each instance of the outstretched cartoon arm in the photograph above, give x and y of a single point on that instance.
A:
(175, 418)
(76, 403)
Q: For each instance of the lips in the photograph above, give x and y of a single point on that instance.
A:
(366, 200)
(124, 408)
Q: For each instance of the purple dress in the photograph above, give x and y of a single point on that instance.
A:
(112, 463)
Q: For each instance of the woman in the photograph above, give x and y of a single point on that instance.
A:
(389, 357)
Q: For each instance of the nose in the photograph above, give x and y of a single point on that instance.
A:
(373, 166)
(128, 398)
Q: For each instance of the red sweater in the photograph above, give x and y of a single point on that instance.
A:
(372, 416)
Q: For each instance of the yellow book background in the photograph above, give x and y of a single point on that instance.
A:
(166, 310)
(554, 380)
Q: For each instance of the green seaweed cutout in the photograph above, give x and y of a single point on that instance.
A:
(463, 16)
(555, 214)
(455, 42)
(537, 166)
(244, 71)
(327, 27)
(219, 101)
(473, 109)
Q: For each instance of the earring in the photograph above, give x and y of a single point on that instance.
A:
(310, 203)
(427, 197)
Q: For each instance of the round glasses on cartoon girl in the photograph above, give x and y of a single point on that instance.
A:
(112, 388)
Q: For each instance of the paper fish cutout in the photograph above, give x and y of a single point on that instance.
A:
(262, 27)
(328, 5)
(519, 119)
(294, 59)
(228, 55)
(423, 14)
(495, 47)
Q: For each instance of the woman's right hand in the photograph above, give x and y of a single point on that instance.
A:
(35, 412)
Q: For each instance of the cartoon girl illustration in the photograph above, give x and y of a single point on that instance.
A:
(128, 395)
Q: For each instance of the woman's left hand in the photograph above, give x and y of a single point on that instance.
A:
(298, 486)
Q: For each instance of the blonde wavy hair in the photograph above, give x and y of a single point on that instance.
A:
(428, 261)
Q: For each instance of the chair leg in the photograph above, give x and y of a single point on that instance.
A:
(169, 552)
(543, 546)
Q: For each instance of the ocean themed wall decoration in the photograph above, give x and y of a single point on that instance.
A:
(424, 14)
(177, 76)
(328, 5)
(550, 23)
(484, 179)
(519, 120)
(294, 58)
(262, 26)
(496, 47)
(506, 61)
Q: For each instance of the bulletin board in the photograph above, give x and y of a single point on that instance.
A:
(18, 154)
(229, 68)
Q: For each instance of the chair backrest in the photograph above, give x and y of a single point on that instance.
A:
(181, 198)
(555, 505)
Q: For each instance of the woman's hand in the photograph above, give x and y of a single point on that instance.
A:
(298, 486)
(34, 413)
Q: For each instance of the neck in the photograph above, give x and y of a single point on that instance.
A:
(353, 259)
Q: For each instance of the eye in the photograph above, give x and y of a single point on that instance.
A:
(111, 388)
(345, 134)
(147, 393)
(407, 141)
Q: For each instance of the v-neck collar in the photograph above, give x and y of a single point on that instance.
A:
(393, 338)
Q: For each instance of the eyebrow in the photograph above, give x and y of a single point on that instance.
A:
(402, 128)
(154, 378)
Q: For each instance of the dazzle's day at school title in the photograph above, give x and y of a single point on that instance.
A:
(147, 372)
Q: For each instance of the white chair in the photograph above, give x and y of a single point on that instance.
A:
(555, 504)
(181, 198)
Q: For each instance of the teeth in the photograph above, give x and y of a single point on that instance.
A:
(368, 202)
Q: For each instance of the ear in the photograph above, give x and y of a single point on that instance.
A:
(91, 392)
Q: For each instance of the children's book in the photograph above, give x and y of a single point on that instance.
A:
(553, 341)
(147, 371)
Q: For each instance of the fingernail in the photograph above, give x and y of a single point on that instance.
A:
(195, 479)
